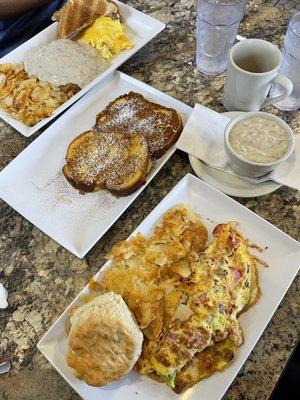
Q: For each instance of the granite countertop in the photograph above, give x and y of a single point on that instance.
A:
(43, 278)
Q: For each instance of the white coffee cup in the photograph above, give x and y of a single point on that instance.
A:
(252, 67)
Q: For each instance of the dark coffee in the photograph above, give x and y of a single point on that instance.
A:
(252, 64)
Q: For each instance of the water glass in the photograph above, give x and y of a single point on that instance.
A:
(217, 25)
(290, 66)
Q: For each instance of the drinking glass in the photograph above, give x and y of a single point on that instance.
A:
(290, 66)
(217, 25)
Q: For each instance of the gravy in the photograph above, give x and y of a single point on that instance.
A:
(259, 140)
(63, 61)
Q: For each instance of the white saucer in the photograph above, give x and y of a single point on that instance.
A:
(230, 184)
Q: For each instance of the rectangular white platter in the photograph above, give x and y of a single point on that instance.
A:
(140, 28)
(34, 185)
(282, 254)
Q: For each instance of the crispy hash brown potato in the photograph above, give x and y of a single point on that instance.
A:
(185, 295)
(27, 99)
(147, 270)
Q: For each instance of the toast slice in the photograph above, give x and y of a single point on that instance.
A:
(133, 114)
(109, 160)
(77, 15)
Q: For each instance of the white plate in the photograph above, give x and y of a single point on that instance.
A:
(140, 29)
(35, 187)
(229, 184)
(283, 256)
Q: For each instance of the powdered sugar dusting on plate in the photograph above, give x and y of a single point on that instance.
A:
(58, 194)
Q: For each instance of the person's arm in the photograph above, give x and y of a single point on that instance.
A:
(10, 8)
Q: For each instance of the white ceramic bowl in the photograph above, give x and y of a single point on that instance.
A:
(253, 169)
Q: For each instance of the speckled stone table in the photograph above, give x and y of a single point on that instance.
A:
(43, 278)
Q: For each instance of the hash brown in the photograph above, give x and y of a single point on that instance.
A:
(28, 99)
(142, 272)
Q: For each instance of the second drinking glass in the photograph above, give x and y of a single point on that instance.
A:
(217, 25)
(290, 66)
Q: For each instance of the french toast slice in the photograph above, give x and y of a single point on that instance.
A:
(133, 114)
(110, 160)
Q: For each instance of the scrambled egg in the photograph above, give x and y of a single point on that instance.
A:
(107, 36)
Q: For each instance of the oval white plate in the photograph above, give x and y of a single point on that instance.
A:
(230, 184)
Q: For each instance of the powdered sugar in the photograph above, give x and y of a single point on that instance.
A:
(58, 193)
(116, 156)
(132, 113)
(107, 159)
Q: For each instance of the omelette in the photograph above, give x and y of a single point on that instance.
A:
(185, 294)
(216, 291)
(213, 359)
(222, 353)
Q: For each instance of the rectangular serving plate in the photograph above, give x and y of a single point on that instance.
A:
(282, 255)
(34, 185)
(140, 29)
